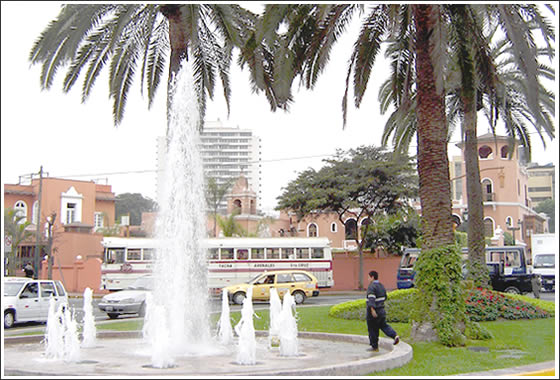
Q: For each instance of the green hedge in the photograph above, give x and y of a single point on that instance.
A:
(481, 305)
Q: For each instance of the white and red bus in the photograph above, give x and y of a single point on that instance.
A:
(230, 260)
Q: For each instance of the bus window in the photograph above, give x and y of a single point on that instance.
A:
(317, 253)
(302, 253)
(133, 254)
(288, 253)
(226, 254)
(115, 256)
(272, 253)
(213, 254)
(242, 254)
(257, 253)
(148, 254)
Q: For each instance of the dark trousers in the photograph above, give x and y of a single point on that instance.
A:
(376, 324)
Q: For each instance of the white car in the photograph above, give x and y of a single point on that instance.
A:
(27, 300)
(127, 301)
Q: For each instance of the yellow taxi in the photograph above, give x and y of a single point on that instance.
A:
(299, 283)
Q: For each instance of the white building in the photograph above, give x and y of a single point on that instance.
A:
(226, 154)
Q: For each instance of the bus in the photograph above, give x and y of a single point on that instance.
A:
(230, 260)
(511, 259)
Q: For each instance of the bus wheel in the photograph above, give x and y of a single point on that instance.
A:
(238, 298)
(299, 297)
(113, 315)
(512, 289)
(8, 319)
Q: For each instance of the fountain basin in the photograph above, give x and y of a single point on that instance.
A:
(125, 354)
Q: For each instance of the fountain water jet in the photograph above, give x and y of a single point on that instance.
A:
(180, 272)
(247, 344)
(275, 310)
(225, 331)
(61, 336)
(288, 328)
(89, 331)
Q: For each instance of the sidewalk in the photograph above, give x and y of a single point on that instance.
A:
(536, 369)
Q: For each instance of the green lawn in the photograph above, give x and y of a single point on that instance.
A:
(515, 342)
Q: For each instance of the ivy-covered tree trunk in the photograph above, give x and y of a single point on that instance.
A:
(438, 314)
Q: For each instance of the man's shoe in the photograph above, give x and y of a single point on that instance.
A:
(373, 349)
(397, 340)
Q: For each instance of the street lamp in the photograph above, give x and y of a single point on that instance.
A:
(513, 229)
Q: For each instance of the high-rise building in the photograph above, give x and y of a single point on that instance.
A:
(541, 182)
(227, 153)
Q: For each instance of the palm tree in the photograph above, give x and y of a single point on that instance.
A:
(137, 37)
(473, 72)
(15, 226)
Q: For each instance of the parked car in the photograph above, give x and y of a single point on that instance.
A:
(299, 283)
(28, 300)
(131, 300)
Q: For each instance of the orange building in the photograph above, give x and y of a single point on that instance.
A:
(506, 198)
(79, 209)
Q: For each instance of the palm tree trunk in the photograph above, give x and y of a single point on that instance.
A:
(433, 163)
(475, 227)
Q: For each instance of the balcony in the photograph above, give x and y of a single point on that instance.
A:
(489, 197)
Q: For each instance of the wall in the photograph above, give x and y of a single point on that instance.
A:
(346, 267)
(78, 276)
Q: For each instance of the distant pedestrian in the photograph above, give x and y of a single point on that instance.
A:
(28, 269)
(375, 313)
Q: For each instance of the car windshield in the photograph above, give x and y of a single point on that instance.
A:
(252, 281)
(12, 288)
(544, 261)
(142, 283)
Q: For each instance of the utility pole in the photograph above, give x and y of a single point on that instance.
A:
(50, 221)
(37, 255)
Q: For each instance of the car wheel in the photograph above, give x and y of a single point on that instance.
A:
(142, 310)
(113, 315)
(513, 290)
(8, 319)
(238, 298)
(299, 297)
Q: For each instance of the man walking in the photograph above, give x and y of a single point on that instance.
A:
(375, 313)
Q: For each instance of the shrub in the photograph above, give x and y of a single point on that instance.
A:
(547, 306)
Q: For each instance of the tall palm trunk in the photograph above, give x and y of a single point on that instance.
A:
(433, 163)
(475, 227)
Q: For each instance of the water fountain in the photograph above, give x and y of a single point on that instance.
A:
(89, 331)
(288, 327)
(177, 339)
(275, 310)
(245, 330)
(225, 331)
(61, 336)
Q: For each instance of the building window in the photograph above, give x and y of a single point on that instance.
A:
(487, 193)
(488, 227)
(98, 220)
(509, 221)
(312, 230)
(504, 151)
(70, 213)
(350, 227)
(35, 213)
(485, 152)
(20, 209)
(333, 227)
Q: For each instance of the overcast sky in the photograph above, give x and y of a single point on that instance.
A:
(54, 130)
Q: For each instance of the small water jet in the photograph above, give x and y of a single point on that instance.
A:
(225, 331)
(275, 310)
(61, 336)
(288, 327)
(245, 329)
(89, 331)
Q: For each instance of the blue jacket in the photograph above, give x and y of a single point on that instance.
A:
(376, 295)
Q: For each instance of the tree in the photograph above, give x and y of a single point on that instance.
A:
(133, 204)
(548, 206)
(229, 227)
(360, 184)
(15, 226)
(129, 37)
(215, 194)
(393, 231)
